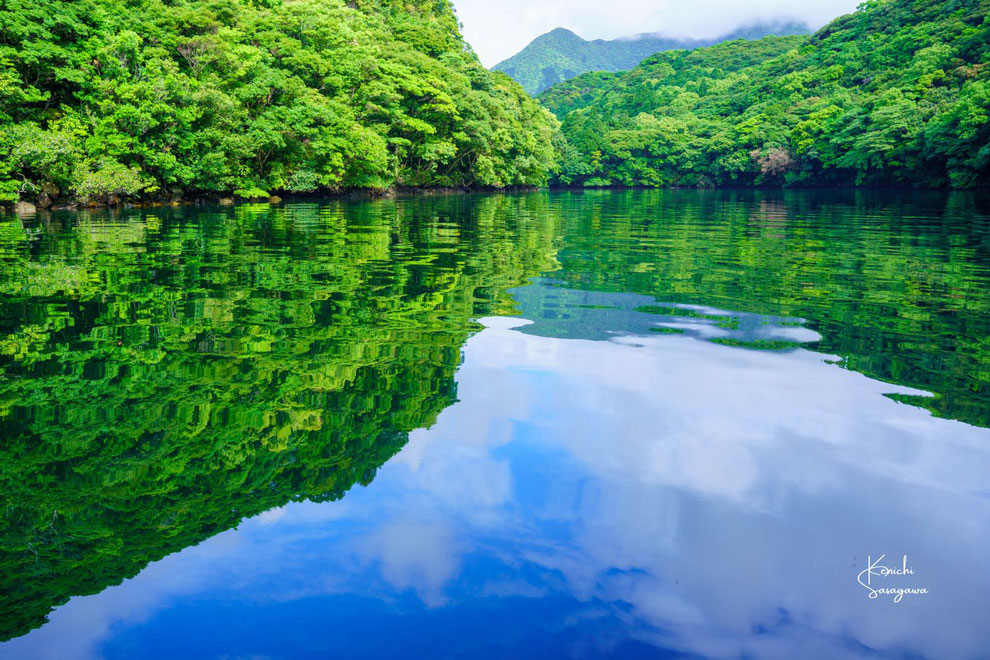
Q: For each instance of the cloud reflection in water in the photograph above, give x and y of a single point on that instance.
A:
(627, 492)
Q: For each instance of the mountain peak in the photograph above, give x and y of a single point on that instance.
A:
(561, 54)
(561, 32)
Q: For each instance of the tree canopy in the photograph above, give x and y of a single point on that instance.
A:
(897, 93)
(107, 99)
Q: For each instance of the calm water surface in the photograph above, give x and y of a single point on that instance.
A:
(641, 424)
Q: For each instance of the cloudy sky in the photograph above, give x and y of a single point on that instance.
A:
(500, 28)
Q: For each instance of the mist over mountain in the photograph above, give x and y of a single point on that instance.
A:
(560, 54)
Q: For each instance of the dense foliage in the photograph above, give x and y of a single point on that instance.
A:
(686, 65)
(163, 376)
(102, 99)
(560, 54)
(897, 93)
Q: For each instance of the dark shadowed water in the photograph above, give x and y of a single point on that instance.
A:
(639, 424)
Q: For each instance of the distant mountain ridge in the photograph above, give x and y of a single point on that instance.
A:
(560, 54)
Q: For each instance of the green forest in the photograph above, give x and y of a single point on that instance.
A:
(102, 100)
(173, 363)
(897, 93)
(560, 54)
(105, 101)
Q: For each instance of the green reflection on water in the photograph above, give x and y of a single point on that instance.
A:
(897, 284)
(164, 374)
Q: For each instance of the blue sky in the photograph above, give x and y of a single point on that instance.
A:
(502, 28)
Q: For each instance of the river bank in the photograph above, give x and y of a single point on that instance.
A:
(24, 207)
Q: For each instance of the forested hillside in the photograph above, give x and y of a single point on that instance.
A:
(897, 93)
(560, 54)
(108, 99)
(687, 65)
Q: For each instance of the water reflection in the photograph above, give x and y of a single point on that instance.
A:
(685, 444)
(166, 375)
(646, 495)
(576, 314)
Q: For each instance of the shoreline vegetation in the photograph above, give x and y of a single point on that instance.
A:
(274, 199)
(366, 194)
(106, 103)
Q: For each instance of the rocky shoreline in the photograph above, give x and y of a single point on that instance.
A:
(49, 199)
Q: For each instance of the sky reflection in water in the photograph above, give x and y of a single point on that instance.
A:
(610, 482)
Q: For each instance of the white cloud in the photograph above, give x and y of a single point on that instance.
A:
(498, 30)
